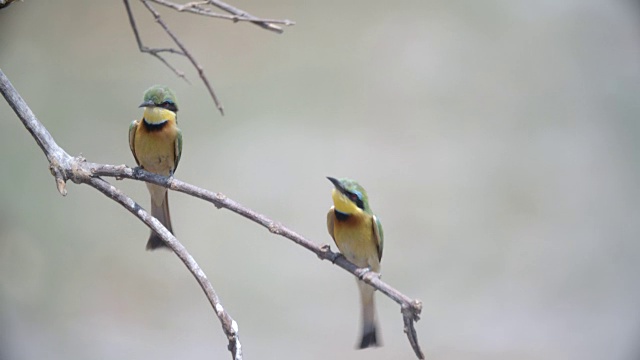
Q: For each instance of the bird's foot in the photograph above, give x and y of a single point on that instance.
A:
(170, 179)
(335, 258)
(361, 272)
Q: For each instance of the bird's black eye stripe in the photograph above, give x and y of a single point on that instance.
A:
(169, 106)
(356, 199)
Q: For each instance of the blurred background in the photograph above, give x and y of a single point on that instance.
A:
(498, 142)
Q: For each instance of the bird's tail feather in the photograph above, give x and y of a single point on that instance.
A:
(369, 323)
(160, 212)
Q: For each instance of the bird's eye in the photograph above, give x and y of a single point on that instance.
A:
(356, 200)
(169, 105)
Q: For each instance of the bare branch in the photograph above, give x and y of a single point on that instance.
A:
(81, 171)
(243, 14)
(229, 326)
(186, 53)
(196, 7)
(409, 317)
(183, 50)
(64, 167)
(410, 308)
(152, 51)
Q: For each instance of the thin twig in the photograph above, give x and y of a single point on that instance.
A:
(152, 51)
(196, 7)
(65, 167)
(241, 13)
(186, 53)
(80, 171)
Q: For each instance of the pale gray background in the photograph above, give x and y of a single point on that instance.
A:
(498, 141)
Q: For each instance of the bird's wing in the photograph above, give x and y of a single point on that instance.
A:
(132, 137)
(378, 235)
(178, 149)
(330, 220)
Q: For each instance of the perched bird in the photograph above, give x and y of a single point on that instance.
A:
(358, 234)
(156, 144)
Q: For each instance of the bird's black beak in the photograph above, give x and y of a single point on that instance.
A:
(337, 184)
(147, 103)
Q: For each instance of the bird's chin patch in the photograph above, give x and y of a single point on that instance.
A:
(157, 115)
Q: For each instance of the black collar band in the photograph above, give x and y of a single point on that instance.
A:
(341, 216)
(154, 126)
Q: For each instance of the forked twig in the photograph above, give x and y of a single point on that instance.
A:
(186, 53)
(152, 51)
(196, 7)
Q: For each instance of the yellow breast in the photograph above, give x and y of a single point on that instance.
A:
(155, 150)
(356, 240)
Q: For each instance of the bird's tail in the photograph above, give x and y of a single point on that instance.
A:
(369, 323)
(159, 210)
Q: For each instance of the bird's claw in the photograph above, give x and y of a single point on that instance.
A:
(361, 272)
(170, 179)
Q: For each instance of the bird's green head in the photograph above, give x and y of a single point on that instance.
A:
(349, 197)
(160, 96)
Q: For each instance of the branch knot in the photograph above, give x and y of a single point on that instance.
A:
(58, 173)
(275, 228)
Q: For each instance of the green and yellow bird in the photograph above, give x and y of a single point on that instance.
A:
(156, 144)
(358, 234)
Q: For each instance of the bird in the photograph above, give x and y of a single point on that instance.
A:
(358, 234)
(156, 144)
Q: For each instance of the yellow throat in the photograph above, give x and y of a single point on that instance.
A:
(342, 203)
(158, 115)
